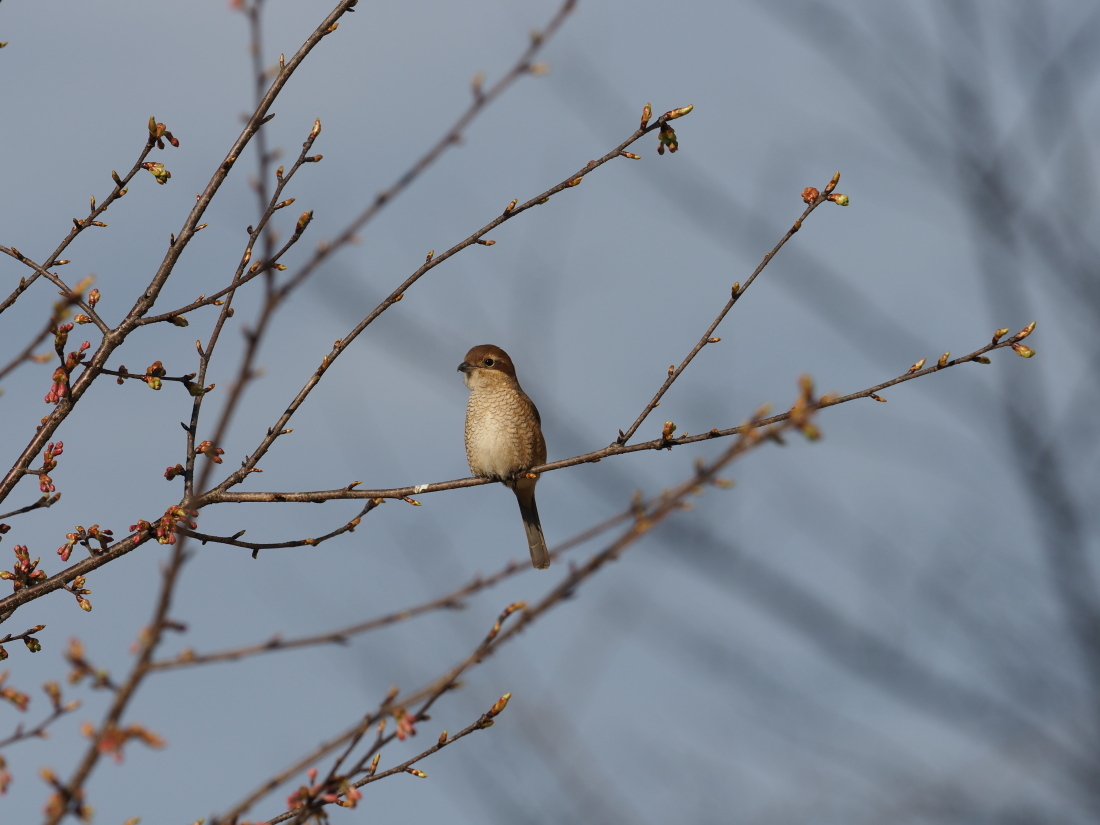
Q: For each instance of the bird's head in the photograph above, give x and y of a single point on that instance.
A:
(487, 365)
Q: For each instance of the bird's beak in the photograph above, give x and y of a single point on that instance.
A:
(465, 366)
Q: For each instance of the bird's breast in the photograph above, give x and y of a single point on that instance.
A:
(503, 435)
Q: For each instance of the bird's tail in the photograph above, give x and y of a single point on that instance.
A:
(525, 495)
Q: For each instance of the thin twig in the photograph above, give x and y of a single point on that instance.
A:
(45, 501)
(735, 294)
(69, 295)
(39, 730)
(12, 637)
(255, 547)
(120, 189)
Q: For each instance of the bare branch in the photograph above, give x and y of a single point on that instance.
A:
(59, 708)
(121, 187)
(44, 501)
(815, 200)
(256, 547)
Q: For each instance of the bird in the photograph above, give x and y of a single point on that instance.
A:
(504, 435)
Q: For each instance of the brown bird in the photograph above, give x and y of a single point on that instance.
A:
(504, 435)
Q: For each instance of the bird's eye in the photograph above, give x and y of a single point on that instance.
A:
(488, 362)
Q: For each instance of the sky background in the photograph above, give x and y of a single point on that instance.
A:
(867, 628)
